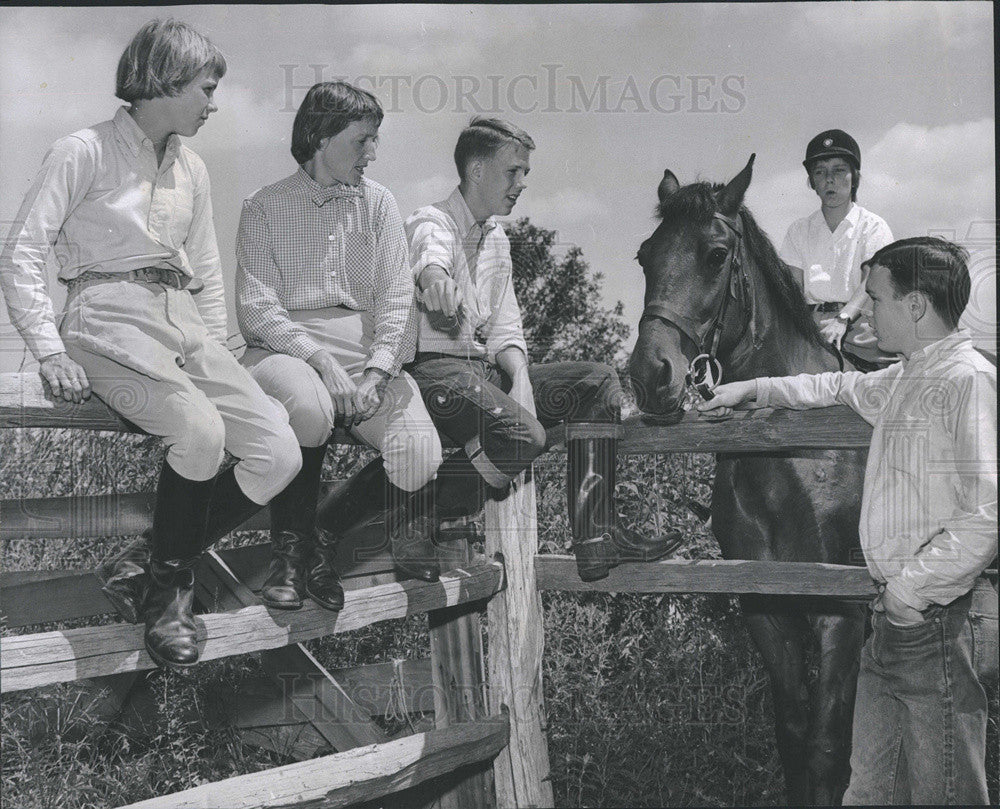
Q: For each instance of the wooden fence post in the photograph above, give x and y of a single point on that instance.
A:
(458, 677)
(516, 640)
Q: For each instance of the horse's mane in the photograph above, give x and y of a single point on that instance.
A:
(697, 203)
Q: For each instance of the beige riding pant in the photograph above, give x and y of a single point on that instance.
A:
(149, 356)
(401, 429)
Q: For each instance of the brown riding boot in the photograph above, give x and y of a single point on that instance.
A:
(322, 579)
(171, 636)
(285, 582)
(412, 522)
(293, 534)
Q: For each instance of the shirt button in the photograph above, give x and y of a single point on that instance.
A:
(330, 237)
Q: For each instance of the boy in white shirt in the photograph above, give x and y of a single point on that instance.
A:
(928, 529)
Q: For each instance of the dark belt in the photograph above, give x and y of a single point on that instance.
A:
(827, 306)
(150, 275)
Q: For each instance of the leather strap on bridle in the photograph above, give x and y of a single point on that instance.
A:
(705, 370)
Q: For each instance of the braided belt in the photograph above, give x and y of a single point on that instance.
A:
(151, 275)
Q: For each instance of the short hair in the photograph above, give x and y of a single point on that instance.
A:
(329, 108)
(485, 136)
(855, 174)
(937, 268)
(163, 58)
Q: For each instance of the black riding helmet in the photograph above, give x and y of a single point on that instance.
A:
(833, 143)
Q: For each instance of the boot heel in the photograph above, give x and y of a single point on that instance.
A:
(592, 559)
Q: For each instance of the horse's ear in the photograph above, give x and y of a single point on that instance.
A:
(668, 185)
(731, 197)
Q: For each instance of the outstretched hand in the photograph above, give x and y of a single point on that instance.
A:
(66, 378)
(727, 397)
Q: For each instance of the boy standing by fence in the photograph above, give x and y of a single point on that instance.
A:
(928, 529)
(126, 209)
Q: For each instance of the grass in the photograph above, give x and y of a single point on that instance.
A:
(651, 700)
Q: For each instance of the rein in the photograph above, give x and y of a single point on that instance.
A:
(705, 370)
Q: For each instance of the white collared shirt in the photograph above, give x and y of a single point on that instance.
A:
(929, 507)
(477, 257)
(831, 261)
(100, 202)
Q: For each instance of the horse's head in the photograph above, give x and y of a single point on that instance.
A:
(691, 264)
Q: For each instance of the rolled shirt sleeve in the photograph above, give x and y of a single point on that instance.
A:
(67, 172)
(262, 318)
(430, 244)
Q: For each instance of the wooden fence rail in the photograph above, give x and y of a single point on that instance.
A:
(503, 723)
(352, 777)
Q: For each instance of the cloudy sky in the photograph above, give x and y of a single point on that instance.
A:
(611, 94)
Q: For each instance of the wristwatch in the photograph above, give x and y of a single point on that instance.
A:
(847, 320)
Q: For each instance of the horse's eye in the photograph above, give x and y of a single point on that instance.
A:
(717, 256)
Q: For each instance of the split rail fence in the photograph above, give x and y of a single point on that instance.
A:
(486, 744)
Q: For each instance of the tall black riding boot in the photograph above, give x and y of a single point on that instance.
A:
(411, 522)
(599, 542)
(125, 578)
(179, 523)
(293, 518)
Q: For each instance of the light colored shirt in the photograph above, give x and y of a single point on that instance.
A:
(477, 257)
(302, 245)
(831, 261)
(101, 203)
(929, 507)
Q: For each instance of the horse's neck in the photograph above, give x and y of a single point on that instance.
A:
(782, 350)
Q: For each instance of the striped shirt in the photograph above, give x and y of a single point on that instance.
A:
(101, 203)
(477, 257)
(302, 245)
(929, 505)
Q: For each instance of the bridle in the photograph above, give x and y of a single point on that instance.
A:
(705, 370)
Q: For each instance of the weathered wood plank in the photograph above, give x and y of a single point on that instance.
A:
(459, 684)
(765, 430)
(24, 404)
(328, 709)
(38, 596)
(711, 576)
(29, 661)
(373, 688)
(516, 641)
(348, 778)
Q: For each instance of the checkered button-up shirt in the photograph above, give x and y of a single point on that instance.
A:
(301, 245)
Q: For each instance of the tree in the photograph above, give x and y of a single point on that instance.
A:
(560, 301)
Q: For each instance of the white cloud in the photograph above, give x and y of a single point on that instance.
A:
(848, 25)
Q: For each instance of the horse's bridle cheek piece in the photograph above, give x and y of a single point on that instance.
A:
(705, 370)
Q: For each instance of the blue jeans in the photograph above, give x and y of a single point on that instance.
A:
(920, 716)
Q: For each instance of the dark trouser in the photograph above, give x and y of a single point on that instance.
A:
(469, 403)
(920, 716)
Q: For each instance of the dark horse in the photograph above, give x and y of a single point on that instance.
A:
(714, 284)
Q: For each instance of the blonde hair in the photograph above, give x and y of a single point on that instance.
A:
(164, 57)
